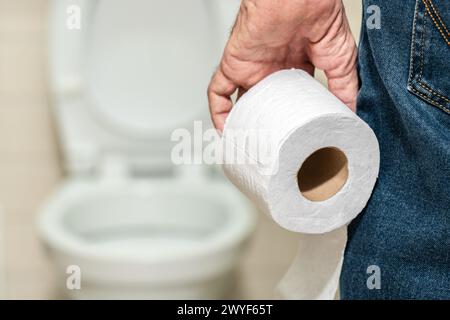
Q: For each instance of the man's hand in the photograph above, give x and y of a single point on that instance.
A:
(270, 35)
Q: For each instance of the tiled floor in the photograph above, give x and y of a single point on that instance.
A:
(30, 168)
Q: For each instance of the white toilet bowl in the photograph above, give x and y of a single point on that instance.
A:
(127, 220)
(151, 240)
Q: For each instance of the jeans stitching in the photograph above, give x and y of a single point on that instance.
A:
(422, 43)
(426, 87)
(413, 46)
(439, 17)
(412, 64)
(444, 36)
(431, 101)
(422, 59)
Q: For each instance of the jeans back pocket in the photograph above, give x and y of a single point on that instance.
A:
(430, 53)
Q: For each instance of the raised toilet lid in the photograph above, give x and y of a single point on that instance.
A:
(135, 71)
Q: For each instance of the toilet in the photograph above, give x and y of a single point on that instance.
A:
(127, 223)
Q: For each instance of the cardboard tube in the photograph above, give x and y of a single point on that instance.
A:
(323, 174)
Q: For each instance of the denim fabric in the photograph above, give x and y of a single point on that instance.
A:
(405, 98)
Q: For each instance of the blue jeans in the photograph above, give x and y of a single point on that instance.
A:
(405, 97)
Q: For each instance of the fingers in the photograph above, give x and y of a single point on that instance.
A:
(219, 96)
(345, 87)
(337, 55)
(343, 80)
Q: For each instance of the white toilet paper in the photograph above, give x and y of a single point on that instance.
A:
(312, 168)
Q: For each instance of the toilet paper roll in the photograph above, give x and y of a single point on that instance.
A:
(303, 157)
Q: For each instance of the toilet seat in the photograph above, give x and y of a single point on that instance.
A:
(123, 82)
(121, 182)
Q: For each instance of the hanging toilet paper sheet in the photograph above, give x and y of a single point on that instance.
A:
(308, 161)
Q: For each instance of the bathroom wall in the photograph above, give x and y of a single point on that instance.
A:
(29, 165)
(30, 168)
